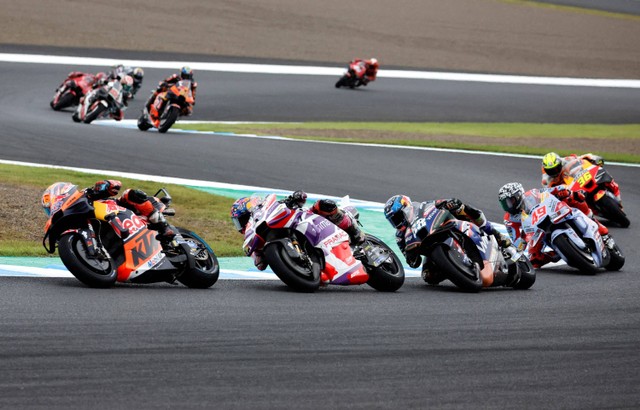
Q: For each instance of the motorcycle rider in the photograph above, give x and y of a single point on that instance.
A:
(135, 200)
(512, 199)
(118, 114)
(186, 73)
(118, 72)
(401, 212)
(555, 169)
(241, 212)
(370, 68)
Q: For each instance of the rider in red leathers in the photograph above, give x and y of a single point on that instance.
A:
(511, 197)
(370, 69)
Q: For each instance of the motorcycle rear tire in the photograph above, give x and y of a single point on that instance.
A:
(65, 100)
(389, 276)
(576, 257)
(91, 272)
(458, 273)
(92, 115)
(207, 269)
(169, 120)
(287, 270)
(611, 210)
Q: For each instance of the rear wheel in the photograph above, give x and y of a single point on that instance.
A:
(576, 257)
(169, 119)
(64, 101)
(456, 270)
(207, 269)
(611, 209)
(293, 272)
(95, 113)
(96, 273)
(389, 276)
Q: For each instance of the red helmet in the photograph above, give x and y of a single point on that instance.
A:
(373, 63)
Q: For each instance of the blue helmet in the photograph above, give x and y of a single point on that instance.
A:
(186, 73)
(399, 211)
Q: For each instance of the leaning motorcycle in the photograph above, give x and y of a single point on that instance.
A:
(167, 107)
(72, 89)
(466, 255)
(306, 250)
(104, 101)
(570, 233)
(353, 77)
(591, 179)
(102, 243)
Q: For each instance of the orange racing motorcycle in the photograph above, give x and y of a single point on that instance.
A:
(101, 243)
(167, 107)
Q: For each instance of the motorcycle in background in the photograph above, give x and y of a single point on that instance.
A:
(102, 243)
(306, 250)
(591, 179)
(72, 89)
(570, 233)
(353, 77)
(103, 101)
(167, 107)
(465, 255)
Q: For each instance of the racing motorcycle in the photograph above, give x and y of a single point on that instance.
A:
(72, 89)
(167, 107)
(591, 179)
(570, 233)
(466, 255)
(353, 77)
(306, 250)
(104, 101)
(101, 243)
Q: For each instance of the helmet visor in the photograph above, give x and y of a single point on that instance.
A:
(397, 219)
(511, 204)
(554, 171)
(240, 222)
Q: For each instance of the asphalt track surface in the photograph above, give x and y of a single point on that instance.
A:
(570, 342)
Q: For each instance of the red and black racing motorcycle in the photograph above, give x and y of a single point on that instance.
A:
(72, 89)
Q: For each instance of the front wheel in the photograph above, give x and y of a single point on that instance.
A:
(95, 113)
(143, 124)
(389, 276)
(527, 274)
(576, 257)
(65, 100)
(452, 263)
(342, 81)
(169, 119)
(295, 273)
(611, 209)
(96, 273)
(616, 261)
(207, 270)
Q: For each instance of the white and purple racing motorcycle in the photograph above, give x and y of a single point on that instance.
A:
(569, 232)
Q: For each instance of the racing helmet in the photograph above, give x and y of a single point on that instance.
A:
(373, 63)
(186, 73)
(399, 211)
(54, 193)
(127, 83)
(511, 197)
(240, 213)
(138, 74)
(552, 164)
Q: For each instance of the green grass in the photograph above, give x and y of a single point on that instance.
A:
(423, 134)
(20, 235)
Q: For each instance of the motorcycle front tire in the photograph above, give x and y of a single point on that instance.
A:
(292, 274)
(92, 115)
(169, 119)
(92, 272)
(389, 276)
(576, 257)
(448, 261)
(65, 100)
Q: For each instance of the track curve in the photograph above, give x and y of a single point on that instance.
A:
(570, 342)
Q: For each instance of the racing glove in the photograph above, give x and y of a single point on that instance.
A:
(413, 259)
(579, 196)
(563, 193)
(296, 199)
(107, 186)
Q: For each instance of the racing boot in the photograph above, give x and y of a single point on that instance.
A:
(430, 274)
(329, 209)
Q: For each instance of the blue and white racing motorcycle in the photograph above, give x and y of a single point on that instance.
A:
(569, 232)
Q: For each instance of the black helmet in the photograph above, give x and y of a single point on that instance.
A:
(399, 211)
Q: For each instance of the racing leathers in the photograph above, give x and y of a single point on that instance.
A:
(165, 85)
